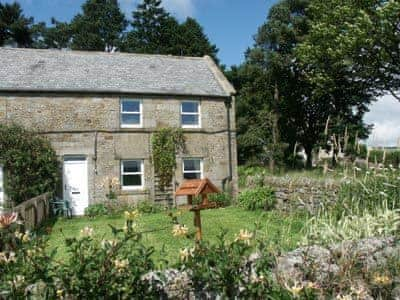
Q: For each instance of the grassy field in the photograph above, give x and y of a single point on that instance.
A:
(283, 231)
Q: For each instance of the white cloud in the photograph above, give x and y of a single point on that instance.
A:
(179, 8)
(385, 115)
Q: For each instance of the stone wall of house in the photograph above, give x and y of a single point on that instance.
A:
(90, 126)
(299, 193)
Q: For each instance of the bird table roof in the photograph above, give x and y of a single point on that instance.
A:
(196, 187)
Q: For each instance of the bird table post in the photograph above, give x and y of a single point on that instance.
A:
(197, 187)
(197, 224)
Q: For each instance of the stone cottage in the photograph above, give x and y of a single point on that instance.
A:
(99, 110)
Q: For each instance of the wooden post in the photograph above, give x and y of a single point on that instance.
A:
(197, 224)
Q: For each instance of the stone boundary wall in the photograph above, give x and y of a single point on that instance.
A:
(34, 212)
(299, 193)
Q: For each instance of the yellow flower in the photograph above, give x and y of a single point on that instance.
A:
(180, 230)
(312, 285)
(121, 265)
(18, 280)
(25, 237)
(295, 289)
(18, 235)
(382, 279)
(30, 253)
(186, 253)
(130, 216)
(60, 293)
(244, 236)
(87, 231)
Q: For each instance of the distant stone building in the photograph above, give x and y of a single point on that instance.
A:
(99, 110)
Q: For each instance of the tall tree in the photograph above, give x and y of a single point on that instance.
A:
(297, 109)
(194, 41)
(155, 31)
(57, 36)
(149, 25)
(15, 28)
(99, 27)
(361, 37)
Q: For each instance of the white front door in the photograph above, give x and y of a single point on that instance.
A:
(1, 189)
(75, 183)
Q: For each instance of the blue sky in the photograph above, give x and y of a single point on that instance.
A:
(230, 24)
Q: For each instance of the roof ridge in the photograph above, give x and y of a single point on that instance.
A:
(89, 52)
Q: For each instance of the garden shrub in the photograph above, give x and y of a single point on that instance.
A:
(94, 210)
(30, 163)
(257, 198)
(148, 207)
(223, 199)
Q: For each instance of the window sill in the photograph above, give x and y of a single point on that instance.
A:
(132, 126)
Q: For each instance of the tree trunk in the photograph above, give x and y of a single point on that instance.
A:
(275, 131)
(308, 150)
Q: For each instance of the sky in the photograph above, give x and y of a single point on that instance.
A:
(231, 25)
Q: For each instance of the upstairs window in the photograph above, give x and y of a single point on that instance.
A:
(190, 114)
(132, 174)
(192, 168)
(131, 113)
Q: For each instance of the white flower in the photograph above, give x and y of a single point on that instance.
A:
(383, 194)
(87, 231)
(7, 259)
(345, 297)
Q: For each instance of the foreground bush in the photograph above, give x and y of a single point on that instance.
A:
(30, 163)
(257, 198)
(122, 268)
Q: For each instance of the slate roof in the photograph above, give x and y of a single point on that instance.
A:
(33, 70)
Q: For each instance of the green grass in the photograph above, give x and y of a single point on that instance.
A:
(283, 231)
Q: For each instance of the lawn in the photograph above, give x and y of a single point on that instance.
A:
(281, 230)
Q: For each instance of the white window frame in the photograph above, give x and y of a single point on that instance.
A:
(191, 114)
(141, 173)
(140, 113)
(191, 171)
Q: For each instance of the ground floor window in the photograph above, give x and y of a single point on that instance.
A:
(132, 174)
(192, 168)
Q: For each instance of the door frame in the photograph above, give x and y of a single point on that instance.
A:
(81, 158)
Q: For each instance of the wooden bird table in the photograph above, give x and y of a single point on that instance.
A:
(195, 188)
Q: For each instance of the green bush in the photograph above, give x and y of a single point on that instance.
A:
(148, 207)
(30, 163)
(98, 209)
(222, 199)
(257, 198)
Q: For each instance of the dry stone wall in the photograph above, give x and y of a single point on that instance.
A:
(299, 193)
